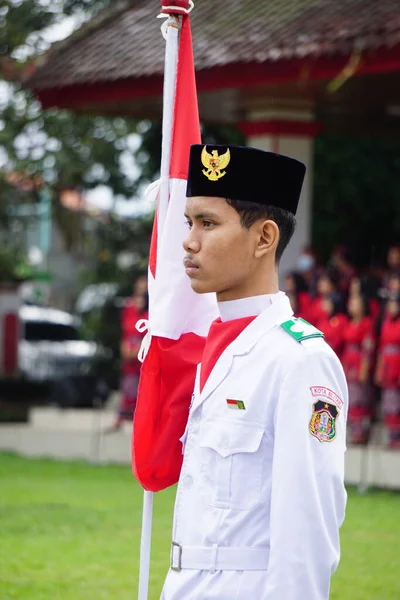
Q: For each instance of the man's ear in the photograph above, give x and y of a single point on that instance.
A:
(267, 238)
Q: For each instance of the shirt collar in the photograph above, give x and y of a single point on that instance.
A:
(245, 307)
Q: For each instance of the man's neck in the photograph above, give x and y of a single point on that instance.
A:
(264, 285)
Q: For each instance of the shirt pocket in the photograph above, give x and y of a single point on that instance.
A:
(231, 463)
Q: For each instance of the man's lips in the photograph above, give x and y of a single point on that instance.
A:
(190, 266)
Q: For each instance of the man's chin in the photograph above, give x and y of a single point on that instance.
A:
(201, 287)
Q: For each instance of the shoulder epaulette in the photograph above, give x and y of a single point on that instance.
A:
(301, 330)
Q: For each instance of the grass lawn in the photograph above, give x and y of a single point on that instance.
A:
(70, 531)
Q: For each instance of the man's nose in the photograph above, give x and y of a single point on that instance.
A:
(190, 243)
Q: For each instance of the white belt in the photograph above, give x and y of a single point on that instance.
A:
(219, 558)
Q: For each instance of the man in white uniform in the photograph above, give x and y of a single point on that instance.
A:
(261, 497)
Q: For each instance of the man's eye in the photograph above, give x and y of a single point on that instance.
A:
(189, 224)
(207, 224)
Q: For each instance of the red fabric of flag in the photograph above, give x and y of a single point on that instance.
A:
(166, 386)
(179, 319)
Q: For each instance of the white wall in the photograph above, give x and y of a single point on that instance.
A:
(302, 149)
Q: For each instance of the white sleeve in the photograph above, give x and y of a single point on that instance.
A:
(308, 497)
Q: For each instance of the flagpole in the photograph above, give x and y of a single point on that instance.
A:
(170, 69)
(145, 545)
(170, 32)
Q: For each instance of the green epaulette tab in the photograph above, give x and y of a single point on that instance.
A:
(301, 330)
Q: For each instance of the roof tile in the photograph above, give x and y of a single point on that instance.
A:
(126, 42)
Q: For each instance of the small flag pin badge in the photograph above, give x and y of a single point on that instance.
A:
(238, 404)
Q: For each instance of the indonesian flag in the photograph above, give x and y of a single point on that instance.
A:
(179, 319)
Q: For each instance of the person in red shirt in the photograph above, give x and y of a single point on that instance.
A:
(393, 264)
(297, 292)
(393, 285)
(357, 361)
(326, 288)
(387, 374)
(134, 310)
(357, 287)
(308, 267)
(332, 324)
(343, 269)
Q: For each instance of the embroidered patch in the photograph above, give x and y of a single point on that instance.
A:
(238, 404)
(215, 163)
(301, 329)
(326, 393)
(323, 421)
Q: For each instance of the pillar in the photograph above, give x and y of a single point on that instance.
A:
(291, 132)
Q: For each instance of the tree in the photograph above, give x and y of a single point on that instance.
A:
(148, 155)
(356, 196)
(63, 149)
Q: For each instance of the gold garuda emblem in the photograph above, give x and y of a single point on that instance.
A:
(214, 164)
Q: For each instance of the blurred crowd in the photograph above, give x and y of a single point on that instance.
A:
(359, 313)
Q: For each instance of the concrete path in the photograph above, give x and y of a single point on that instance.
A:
(79, 434)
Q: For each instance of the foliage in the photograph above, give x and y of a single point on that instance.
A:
(356, 188)
(18, 20)
(61, 149)
(70, 7)
(72, 530)
(148, 155)
(22, 22)
(114, 238)
(13, 265)
(356, 196)
(68, 150)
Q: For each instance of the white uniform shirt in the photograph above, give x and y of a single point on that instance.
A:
(261, 498)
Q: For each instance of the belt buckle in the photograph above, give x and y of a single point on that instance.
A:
(177, 568)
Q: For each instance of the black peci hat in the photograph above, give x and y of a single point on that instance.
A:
(249, 174)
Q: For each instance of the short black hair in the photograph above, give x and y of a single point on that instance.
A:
(250, 212)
